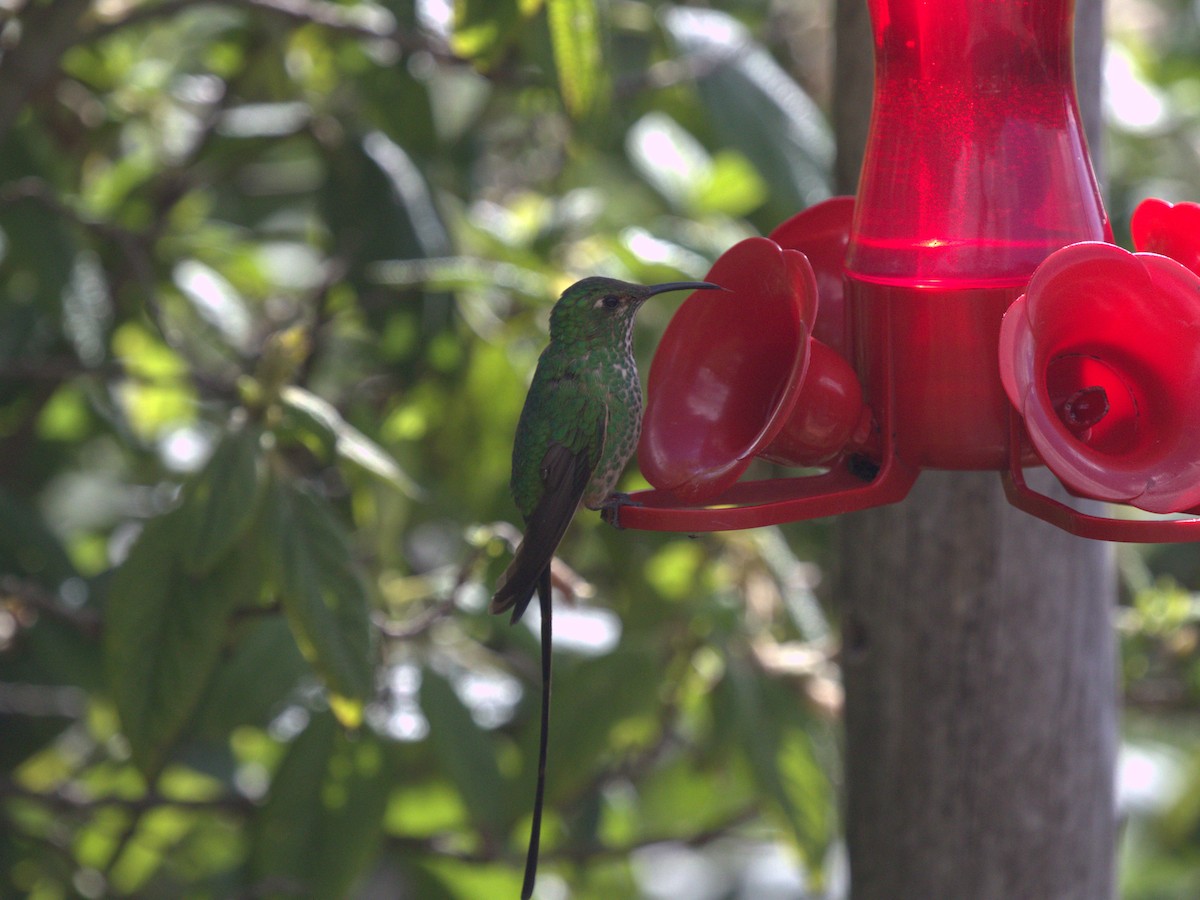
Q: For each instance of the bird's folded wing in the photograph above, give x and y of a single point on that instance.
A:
(565, 474)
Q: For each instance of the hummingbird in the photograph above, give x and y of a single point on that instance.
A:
(579, 426)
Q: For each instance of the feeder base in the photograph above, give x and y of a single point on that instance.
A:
(753, 504)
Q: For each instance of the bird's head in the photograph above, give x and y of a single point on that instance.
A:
(602, 309)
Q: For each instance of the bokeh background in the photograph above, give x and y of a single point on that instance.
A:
(274, 275)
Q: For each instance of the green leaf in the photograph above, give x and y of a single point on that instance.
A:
(322, 593)
(216, 302)
(674, 568)
(731, 186)
(254, 680)
(762, 718)
(682, 170)
(466, 754)
(323, 818)
(157, 393)
(435, 877)
(578, 55)
(668, 157)
(809, 796)
(601, 705)
(57, 663)
(758, 109)
(220, 503)
(323, 420)
(39, 253)
(163, 633)
(484, 28)
(27, 546)
(378, 200)
(685, 797)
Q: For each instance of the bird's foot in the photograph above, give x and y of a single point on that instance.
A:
(610, 509)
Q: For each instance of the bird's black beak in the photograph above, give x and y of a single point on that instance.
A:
(682, 286)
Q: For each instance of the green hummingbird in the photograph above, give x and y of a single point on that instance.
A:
(578, 428)
(580, 424)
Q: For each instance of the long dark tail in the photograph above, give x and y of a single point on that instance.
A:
(518, 583)
(539, 797)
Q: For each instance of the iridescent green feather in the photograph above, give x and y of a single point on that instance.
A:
(562, 407)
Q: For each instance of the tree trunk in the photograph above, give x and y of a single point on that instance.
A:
(978, 656)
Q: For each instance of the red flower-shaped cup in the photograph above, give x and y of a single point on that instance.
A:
(1171, 229)
(1101, 356)
(738, 375)
(822, 233)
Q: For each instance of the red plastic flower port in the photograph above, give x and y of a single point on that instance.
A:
(738, 376)
(822, 233)
(1100, 358)
(727, 370)
(1172, 229)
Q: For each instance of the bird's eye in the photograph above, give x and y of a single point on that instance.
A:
(611, 301)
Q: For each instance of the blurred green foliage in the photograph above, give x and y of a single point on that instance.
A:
(274, 275)
(1152, 105)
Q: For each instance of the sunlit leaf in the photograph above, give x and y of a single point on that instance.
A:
(216, 301)
(683, 171)
(425, 808)
(682, 791)
(66, 417)
(156, 393)
(446, 879)
(349, 443)
(757, 108)
(578, 54)
(667, 156)
(731, 186)
(1180, 821)
(482, 28)
(810, 799)
(409, 191)
(160, 832)
(400, 220)
(674, 568)
(472, 429)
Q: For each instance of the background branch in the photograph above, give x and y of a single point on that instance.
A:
(47, 30)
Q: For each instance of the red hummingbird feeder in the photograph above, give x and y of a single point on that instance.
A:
(966, 310)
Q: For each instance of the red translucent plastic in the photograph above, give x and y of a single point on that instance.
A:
(730, 370)
(1085, 525)
(828, 418)
(1102, 359)
(931, 351)
(753, 504)
(822, 233)
(727, 370)
(976, 166)
(975, 172)
(1172, 229)
(976, 169)
(739, 377)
